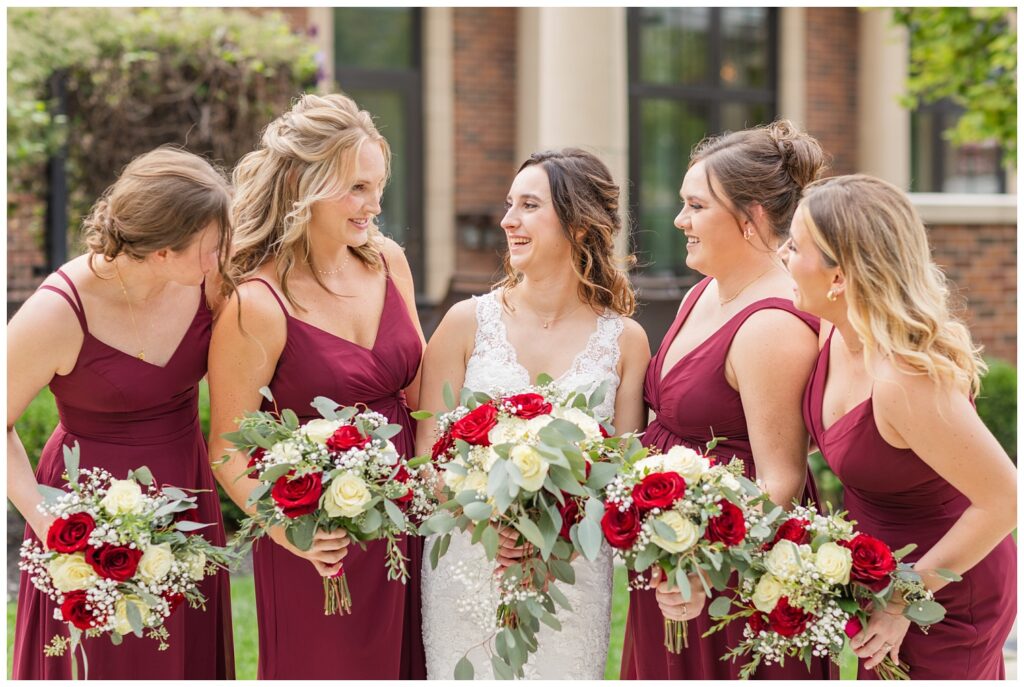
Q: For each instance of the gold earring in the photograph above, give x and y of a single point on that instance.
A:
(832, 295)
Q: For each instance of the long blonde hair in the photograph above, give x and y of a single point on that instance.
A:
(306, 155)
(898, 299)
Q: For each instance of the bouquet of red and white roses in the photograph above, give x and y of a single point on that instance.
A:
(339, 471)
(683, 512)
(808, 588)
(533, 463)
(118, 558)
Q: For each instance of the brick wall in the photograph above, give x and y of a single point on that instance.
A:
(832, 83)
(981, 261)
(26, 259)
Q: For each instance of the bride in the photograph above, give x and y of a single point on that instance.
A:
(562, 309)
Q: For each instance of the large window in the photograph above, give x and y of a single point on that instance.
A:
(377, 61)
(693, 72)
(938, 166)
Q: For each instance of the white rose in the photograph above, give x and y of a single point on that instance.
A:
(123, 496)
(649, 464)
(454, 480)
(508, 431)
(155, 562)
(476, 480)
(589, 425)
(535, 424)
(685, 531)
(783, 560)
(70, 572)
(121, 624)
(320, 430)
(196, 564)
(834, 563)
(687, 462)
(767, 593)
(729, 481)
(532, 466)
(347, 496)
(285, 452)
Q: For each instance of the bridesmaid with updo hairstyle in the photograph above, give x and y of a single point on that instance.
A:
(890, 404)
(120, 334)
(325, 307)
(733, 364)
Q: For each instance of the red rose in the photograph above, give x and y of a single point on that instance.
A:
(346, 437)
(402, 475)
(853, 627)
(67, 535)
(256, 456)
(659, 490)
(729, 527)
(570, 512)
(174, 600)
(872, 561)
(794, 530)
(787, 620)
(441, 446)
(528, 405)
(621, 528)
(298, 496)
(73, 610)
(757, 622)
(114, 561)
(604, 432)
(473, 428)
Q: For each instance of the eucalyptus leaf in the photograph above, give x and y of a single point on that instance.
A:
(719, 607)
(142, 475)
(501, 670)
(266, 393)
(663, 530)
(449, 401)
(300, 533)
(646, 557)
(562, 571)
(50, 494)
(489, 539)
(388, 431)
(421, 414)
(947, 574)
(597, 398)
(559, 597)
(551, 621)
(275, 472)
(569, 431)
(257, 493)
(395, 513)
(290, 419)
(478, 511)
(682, 583)
(175, 493)
(189, 526)
(544, 378)
(134, 616)
(900, 553)
(327, 408)
(435, 552)
(601, 474)
(925, 612)
(438, 523)
(565, 481)
(372, 520)
(529, 530)
(590, 538)
(464, 668)
(71, 460)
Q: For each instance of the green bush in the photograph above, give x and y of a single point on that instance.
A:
(997, 404)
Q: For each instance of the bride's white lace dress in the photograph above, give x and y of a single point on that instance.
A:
(459, 597)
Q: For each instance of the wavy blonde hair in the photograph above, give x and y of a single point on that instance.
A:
(585, 197)
(306, 155)
(898, 299)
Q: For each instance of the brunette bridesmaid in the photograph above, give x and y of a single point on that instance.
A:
(733, 365)
(120, 335)
(890, 404)
(325, 307)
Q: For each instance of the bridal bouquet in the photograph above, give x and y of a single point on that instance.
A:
(533, 463)
(684, 513)
(119, 558)
(806, 592)
(339, 471)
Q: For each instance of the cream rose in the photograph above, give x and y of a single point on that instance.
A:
(70, 572)
(576, 416)
(476, 480)
(320, 430)
(123, 496)
(347, 496)
(535, 424)
(531, 466)
(196, 565)
(729, 481)
(650, 464)
(454, 480)
(285, 452)
(834, 563)
(121, 624)
(767, 593)
(508, 431)
(687, 462)
(155, 562)
(685, 531)
(783, 560)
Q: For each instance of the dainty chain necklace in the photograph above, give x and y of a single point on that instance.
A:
(336, 270)
(141, 355)
(723, 301)
(546, 323)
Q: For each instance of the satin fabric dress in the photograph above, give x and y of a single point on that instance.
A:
(897, 497)
(125, 413)
(693, 403)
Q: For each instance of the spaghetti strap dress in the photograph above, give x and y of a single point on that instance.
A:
(125, 413)
(381, 639)
(693, 403)
(898, 498)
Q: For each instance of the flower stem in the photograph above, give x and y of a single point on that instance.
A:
(337, 600)
(676, 636)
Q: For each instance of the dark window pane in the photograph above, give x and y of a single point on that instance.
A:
(669, 129)
(938, 166)
(744, 47)
(972, 168)
(737, 116)
(674, 45)
(922, 136)
(374, 38)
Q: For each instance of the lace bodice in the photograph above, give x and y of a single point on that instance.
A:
(494, 366)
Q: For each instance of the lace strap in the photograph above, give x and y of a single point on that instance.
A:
(491, 341)
(602, 350)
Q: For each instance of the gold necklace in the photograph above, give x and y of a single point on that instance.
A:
(547, 323)
(344, 265)
(749, 283)
(131, 311)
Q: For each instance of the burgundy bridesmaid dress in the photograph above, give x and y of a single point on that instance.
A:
(895, 496)
(381, 638)
(125, 413)
(692, 401)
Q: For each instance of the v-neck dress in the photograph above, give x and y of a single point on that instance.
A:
(693, 402)
(125, 413)
(382, 637)
(898, 498)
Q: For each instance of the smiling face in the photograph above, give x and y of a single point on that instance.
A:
(713, 234)
(812, 277)
(348, 217)
(532, 228)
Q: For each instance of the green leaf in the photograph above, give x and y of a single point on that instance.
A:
(71, 459)
(142, 475)
(266, 393)
(663, 530)
(388, 431)
(489, 539)
(134, 616)
(438, 523)
(719, 607)
(530, 531)
(569, 431)
(464, 668)
(275, 472)
(925, 612)
(50, 494)
(948, 574)
(564, 480)
(421, 414)
(326, 407)
(290, 419)
(714, 557)
(435, 552)
(899, 554)
(501, 669)
(257, 493)
(848, 661)
(189, 526)
(590, 538)
(300, 532)
(544, 379)
(372, 520)
(646, 557)
(559, 597)
(478, 511)
(550, 524)
(551, 621)
(449, 401)
(601, 474)
(597, 397)
(395, 513)
(562, 571)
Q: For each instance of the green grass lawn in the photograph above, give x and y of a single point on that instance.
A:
(243, 613)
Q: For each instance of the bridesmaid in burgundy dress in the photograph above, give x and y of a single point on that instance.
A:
(121, 335)
(733, 365)
(890, 405)
(325, 307)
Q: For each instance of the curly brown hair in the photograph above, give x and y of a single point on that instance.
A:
(586, 201)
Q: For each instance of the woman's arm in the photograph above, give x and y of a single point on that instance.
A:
(402, 276)
(635, 354)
